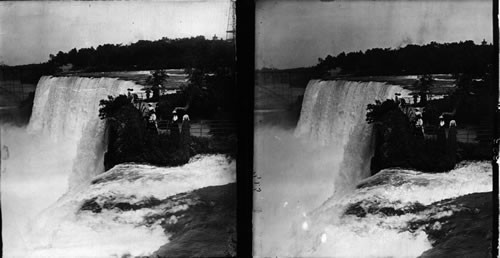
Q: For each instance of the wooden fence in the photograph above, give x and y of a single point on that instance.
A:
(203, 128)
(480, 135)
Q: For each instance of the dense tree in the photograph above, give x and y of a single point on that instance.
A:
(194, 52)
(433, 58)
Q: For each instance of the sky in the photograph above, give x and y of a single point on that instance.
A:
(31, 30)
(296, 33)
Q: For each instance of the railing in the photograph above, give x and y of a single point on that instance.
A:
(479, 135)
(465, 135)
(411, 100)
(200, 128)
(142, 96)
(203, 128)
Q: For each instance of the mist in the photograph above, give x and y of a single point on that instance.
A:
(35, 171)
(295, 177)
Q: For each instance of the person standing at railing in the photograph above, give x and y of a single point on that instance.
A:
(150, 108)
(452, 141)
(415, 99)
(132, 97)
(402, 104)
(174, 128)
(185, 140)
(441, 135)
(419, 126)
(152, 123)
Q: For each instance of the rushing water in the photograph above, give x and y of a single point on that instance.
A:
(307, 178)
(62, 147)
(47, 176)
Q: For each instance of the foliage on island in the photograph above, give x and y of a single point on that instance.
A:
(206, 96)
(396, 143)
(129, 139)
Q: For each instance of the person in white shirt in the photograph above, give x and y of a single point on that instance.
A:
(152, 123)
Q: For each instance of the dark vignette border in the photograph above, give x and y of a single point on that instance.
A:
(496, 122)
(245, 46)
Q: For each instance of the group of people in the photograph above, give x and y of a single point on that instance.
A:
(419, 125)
(132, 96)
(152, 120)
(152, 123)
(449, 140)
(182, 137)
(446, 135)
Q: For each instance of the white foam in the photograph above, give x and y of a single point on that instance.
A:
(47, 177)
(316, 168)
(327, 154)
(380, 235)
(63, 231)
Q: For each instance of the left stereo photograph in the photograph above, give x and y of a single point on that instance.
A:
(117, 128)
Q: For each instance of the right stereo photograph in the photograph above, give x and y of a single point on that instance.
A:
(373, 128)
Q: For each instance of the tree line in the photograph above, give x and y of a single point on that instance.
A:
(433, 58)
(207, 55)
(195, 52)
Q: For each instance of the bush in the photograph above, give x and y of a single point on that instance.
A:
(130, 141)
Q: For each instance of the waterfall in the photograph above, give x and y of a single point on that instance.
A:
(45, 181)
(66, 110)
(326, 155)
(334, 114)
(309, 177)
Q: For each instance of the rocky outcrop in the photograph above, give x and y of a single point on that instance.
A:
(466, 233)
(201, 223)
(458, 227)
(126, 136)
(129, 140)
(396, 144)
(205, 229)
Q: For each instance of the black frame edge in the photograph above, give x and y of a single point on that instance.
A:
(245, 42)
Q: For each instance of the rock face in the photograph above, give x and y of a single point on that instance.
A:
(207, 228)
(467, 233)
(201, 223)
(397, 146)
(395, 143)
(129, 140)
(126, 137)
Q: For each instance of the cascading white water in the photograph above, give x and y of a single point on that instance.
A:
(66, 109)
(326, 155)
(61, 148)
(334, 113)
(47, 178)
(307, 178)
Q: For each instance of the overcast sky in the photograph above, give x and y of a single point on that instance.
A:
(31, 30)
(296, 33)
